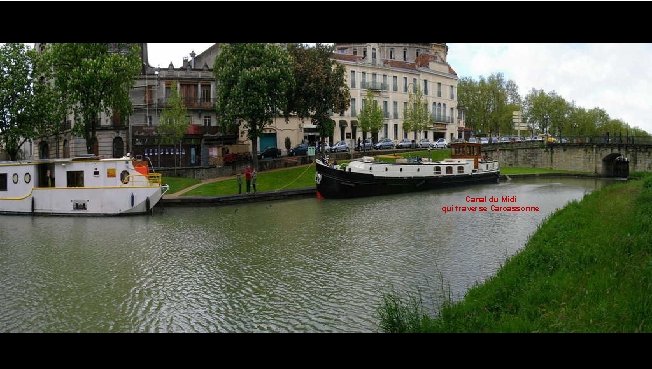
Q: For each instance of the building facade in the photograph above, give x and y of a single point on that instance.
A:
(391, 71)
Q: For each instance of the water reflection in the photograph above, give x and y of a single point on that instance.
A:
(291, 266)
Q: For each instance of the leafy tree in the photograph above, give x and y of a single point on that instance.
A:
(489, 103)
(370, 117)
(416, 117)
(252, 85)
(320, 86)
(547, 111)
(28, 105)
(174, 121)
(94, 77)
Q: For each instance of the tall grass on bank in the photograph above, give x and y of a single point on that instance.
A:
(588, 268)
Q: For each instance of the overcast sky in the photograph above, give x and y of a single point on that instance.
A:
(615, 77)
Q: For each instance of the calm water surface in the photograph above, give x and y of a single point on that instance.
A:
(288, 266)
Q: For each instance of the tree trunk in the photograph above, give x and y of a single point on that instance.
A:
(254, 152)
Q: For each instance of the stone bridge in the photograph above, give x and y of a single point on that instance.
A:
(606, 159)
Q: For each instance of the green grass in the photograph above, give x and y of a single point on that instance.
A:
(281, 179)
(524, 170)
(588, 268)
(179, 183)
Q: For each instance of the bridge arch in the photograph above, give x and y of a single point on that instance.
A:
(615, 165)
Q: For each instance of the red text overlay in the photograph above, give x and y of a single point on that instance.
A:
(496, 204)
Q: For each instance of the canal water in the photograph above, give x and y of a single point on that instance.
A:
(303, 265)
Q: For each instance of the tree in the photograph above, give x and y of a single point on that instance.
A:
(174, 121)
(489, 103)
(28, 106)
(252, 85)
(547, 111)
(94, 77)
(416, 117)
(370, 117)
(320, 87)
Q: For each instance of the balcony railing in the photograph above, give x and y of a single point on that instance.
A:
(379, 86)
(442, 119)
(192, 103)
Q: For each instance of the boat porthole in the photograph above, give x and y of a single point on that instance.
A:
(418, 169)
(15, 178)
(124, 177)
(27, 178)
(370, 169)
(385, 169)
(400, 169)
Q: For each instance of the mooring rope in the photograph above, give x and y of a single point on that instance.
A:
(299, 176)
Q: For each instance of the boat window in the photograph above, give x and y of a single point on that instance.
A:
(449, 170)
(418, 169)
(3, 182)
(385, 169)
(460, 169)
(437, 170)
(27, 177)
(96, 173)
(400, 169)
(14, 178)
(75, 178)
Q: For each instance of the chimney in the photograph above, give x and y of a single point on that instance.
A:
(192, 56)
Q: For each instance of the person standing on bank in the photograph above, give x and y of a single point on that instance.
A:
(248, 178)
(253, 180)
(238, 178)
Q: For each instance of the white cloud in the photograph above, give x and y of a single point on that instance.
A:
(614, 77)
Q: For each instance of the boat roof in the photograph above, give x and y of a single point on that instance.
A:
(66, 160)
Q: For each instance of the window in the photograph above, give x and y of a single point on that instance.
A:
(355, 51)
(439, 112)
(395, 131)
(206, 93)
(404, 107)
(394, 83)
(391, 53)
(437, 170)
(395, 106)
(449, 170)
(364, 53)
(425, 87)
(438, 89)
(451, 115)
(3, 182)
(207, 120)
(414, 85)
(353, 111)
(364, 80)
(373, 53)
(384, 87)
(443, 113)
(425, 134)
(405, 85)
(385, 130)
(149, 120)
(385, 110)
(189, 118)
(373, 79)
(418, 52)
(452, 93)
(404, 54)
(75, 178)
(434, 109)
(352, 79)
(460, 169)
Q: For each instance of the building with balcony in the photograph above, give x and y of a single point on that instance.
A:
(391, 71)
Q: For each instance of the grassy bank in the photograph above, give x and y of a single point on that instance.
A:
(281, 179)
(179, 183)
(588, 268)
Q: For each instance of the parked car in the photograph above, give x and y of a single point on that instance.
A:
(340, 146)
(300, 149)
(269, 152)
(366, 145)
(424, 142)
(484, 140)
(404, 144)
(385, 143)
(440, 143)
(473, 140)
